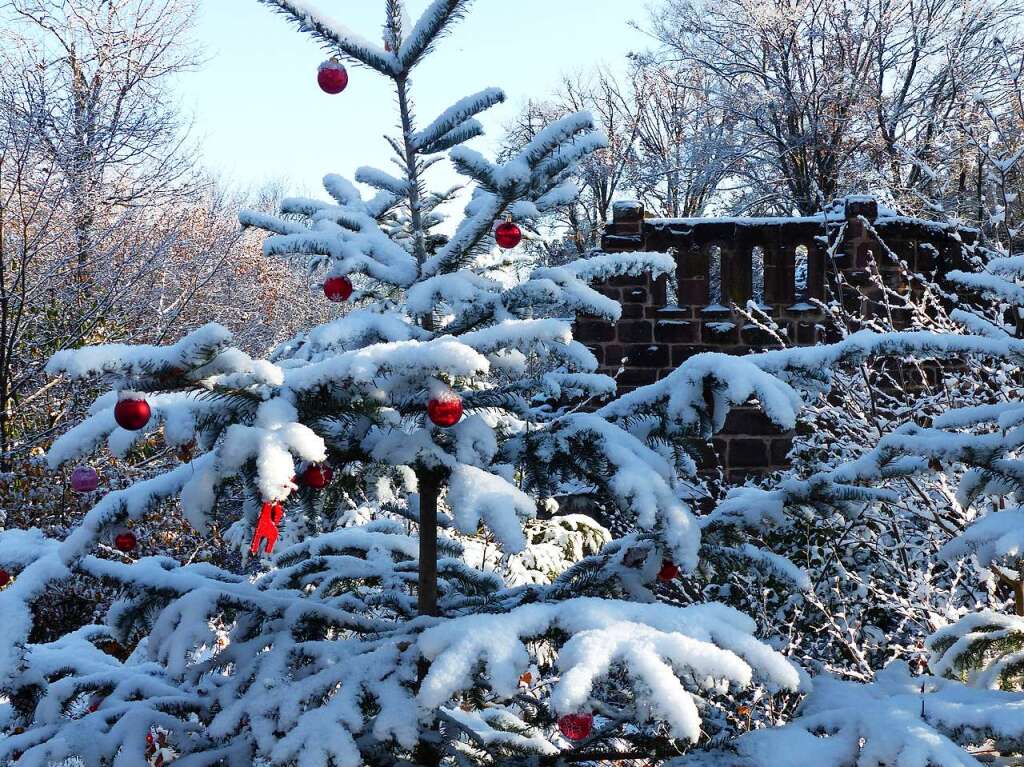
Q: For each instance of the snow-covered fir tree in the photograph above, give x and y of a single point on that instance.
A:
(406, 456)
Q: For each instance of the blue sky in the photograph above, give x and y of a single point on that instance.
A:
(260, 116)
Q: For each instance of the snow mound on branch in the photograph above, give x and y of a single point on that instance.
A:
(195, 348)
(899, 720)
(660, 647)
(996, 535)
(475, 495)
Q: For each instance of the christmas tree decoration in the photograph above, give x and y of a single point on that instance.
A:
(84, 479)
(332, 77)
(267, 531)
(445, 409)
(125, 541)
(576, 726)
(5, 578)
(507, 235)
(95, 701)
(337, 289)
(132, 412)
(669, 571)
(317, 476)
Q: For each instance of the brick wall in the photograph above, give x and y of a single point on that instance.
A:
(656, 334)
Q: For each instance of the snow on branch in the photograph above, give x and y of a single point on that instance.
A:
(525, 179)
(433, 23)
(865, 344)
(383, 181)
(671, 655)
(989, 285)
(639, 480)
(337, 36)
(440, 356)
(697, 396)
(197, 348)
(475, 495)
(453, 118)
(996, 535)
(603, 267)
(845, 724)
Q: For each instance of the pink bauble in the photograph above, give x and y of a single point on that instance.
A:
(84, 479)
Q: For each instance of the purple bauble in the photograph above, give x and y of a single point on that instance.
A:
(84, 479)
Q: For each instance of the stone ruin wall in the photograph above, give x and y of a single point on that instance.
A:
(782, 263)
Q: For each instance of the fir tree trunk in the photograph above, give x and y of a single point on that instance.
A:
(430, 489)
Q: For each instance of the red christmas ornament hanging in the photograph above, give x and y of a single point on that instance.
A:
(445, 410)
(668, 572)
(507, 235)
(317, 476)
(337, 289)
(332, 77)
(126, 541)
(266, 528)
(576, 726)
(5, 578)
(84, 479)
(132, 413)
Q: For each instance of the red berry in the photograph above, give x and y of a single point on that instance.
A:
(508, 235)
(317, 476)
(5, 578)
(332, 77)
(337, 289)
(668, 571)
(132, 414)
(125, 541)
(576, 726)
(445, 410)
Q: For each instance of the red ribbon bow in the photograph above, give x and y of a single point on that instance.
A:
(266, 527)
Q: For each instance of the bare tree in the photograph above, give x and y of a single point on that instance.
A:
(832, 96)
(94, 86)
(687, 145)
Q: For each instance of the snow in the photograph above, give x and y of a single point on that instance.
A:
(882, 723)
(142, 360)
(995, 536)
(454, 118)
(672, 645)
(475, 495)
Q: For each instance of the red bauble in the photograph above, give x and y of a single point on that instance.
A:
(317, 476)
(132, 414)
(337, 289)
(332, 77)
(125, 541)
(576, 726)
(508, 235)
(5, 578)
(668, 572)
(445, 410)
